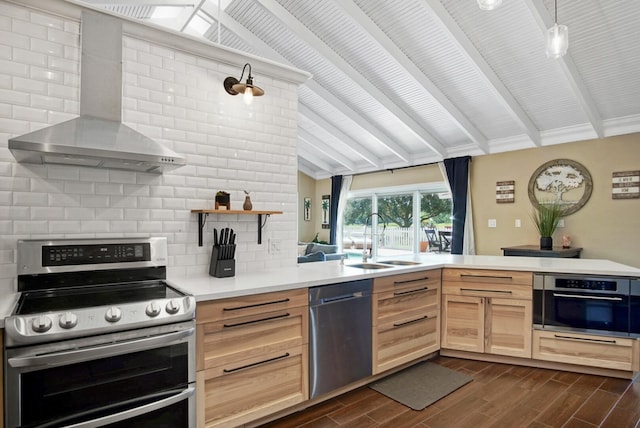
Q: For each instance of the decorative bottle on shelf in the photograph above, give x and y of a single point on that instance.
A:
(247, 206)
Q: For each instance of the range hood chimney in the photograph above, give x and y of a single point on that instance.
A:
(97, 138)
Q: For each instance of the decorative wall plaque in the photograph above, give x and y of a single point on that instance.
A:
(625, 185)
(505, 192)
(326, 204)
(561, 181)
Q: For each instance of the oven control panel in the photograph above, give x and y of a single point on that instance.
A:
(44, 327)
(586, 284)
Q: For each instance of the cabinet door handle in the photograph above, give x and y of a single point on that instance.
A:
(275, 317)
(479, 290)
(582, 339)
(409, 281)
(270, 360)
(411, 322)
(256, 305)
(417, 290)
(486, 276)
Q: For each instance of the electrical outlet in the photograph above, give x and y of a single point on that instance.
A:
(275, 246)
(561, 222)
(493, 222)
(518, 223)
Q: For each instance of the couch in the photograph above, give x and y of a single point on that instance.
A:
(315, 252)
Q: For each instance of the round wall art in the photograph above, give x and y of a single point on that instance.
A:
(561, 181)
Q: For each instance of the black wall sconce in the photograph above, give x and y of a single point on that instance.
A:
(235, 86)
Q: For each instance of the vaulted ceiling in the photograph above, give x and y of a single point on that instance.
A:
(401, 83)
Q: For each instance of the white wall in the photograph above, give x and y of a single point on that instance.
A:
(170, 95)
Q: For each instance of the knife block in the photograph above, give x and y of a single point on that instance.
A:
(221, 268)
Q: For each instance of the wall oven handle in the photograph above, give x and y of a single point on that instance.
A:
(79, 355)
(579, 296)
(131, 413)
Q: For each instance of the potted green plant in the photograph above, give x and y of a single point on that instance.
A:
(546, 218)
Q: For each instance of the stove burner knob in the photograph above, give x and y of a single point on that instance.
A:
(41, 324)
(153, 309)
(173, 306)
(68, 320)
(113, 314)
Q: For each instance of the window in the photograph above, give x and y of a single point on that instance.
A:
(398, 229)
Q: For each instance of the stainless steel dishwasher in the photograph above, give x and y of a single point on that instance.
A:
(340, 335)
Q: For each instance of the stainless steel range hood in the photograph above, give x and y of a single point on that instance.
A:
(97, 138)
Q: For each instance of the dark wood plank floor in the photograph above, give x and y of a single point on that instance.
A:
(500, 395)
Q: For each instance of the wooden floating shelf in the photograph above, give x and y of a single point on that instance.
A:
(202, 215)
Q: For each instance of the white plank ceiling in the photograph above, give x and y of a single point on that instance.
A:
(401, 83)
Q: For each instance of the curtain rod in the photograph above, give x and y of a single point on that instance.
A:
(403, 167)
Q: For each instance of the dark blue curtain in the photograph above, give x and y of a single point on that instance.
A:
(336, 186)
(458, 176)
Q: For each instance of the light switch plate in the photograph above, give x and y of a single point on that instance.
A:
(493, 222)
(518, 223)
(561, 222)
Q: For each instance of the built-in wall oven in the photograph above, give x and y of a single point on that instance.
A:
(589, 304)
(99, 338)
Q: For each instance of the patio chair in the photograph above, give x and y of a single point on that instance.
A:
(434, 241)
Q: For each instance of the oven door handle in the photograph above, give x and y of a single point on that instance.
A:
(579, 296)
(65, 358)
(127, 414)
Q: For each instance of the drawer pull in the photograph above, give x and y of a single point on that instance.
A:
(486, 276)
(412, 321)
(270, 360)
(409, 281)
(558, 336)
(479, 290)
(275, 317)
(417, 290)
(256, 305)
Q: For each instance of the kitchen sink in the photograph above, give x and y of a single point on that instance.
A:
(370, 266)
(399, 262)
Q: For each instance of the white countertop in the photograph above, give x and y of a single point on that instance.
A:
(205, 287)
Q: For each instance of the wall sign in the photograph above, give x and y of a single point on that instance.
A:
(505, 192)
(561, 181)
(625, 185)
(326, 204)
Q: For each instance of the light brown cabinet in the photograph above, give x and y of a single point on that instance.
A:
(406, 321)
(252, 356)
(487, 311)
(616, 353)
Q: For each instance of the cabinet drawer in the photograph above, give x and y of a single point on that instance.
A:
(250, 305)
(237, 393)
(226, 341)
(404, 340)
(408, 281)
(393, 305)
(583, 349)
(487, 283)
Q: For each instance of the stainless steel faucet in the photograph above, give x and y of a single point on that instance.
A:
(364, 244)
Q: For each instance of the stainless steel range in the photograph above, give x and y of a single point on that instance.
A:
(98, 337)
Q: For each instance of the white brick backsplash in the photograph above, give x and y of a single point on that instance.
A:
(14, 68)
(13, 39)
(29, 29)
(95, 226)
(95, 201)
(44, 46)
(13, 126)
(47, 213)
(63, 37)
(172, 96)
(44, 101)
(64, 226)
(110, 214)
(29, 199)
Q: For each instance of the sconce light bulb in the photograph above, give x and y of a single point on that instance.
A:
(247, 97)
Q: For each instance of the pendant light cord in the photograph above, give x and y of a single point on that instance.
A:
(556, 10)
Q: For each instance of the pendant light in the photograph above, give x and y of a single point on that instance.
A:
(248, 90)
(489, 4)
(557, 38)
